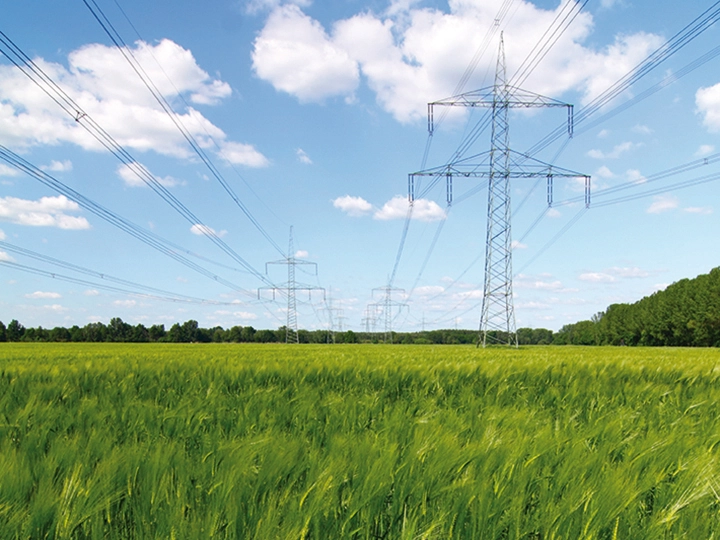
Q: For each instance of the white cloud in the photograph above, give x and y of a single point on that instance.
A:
(603, 133)
(603, 172)
(42, 294)
(423, 210)
(428, 290)
(3, 236)
(625, 272)
(516, 244)
(353, 206)
(635, 176)
(204, 230)
(111, 93)
(297, 56)
(92, 292)
(254, 6)
(411, 55)
(242, 154)
(597, 277)
(707, 101)
(616, 152)
(642, 129)
(127, 175)
(303, 157)
(301, 254)
(46, 212)
(705, 150)
(244, 315)
(704, 210)
(58, 166)
(528, 282)
(8, 171)
(553, 213)
(5, 257)
(662, 203)
(55, 307)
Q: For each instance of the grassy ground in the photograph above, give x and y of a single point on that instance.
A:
(270, 441)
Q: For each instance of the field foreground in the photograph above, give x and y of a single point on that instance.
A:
(269, 441)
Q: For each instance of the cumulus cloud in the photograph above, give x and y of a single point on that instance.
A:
(707, 101)
(58, 166)
(628, 272)
(254, 6)
(423, 210)
(127, 175)
(92, 292)
(705, 150)
(303, 157)
(516, 244)
(45, 212)
(353, 206)
(612, 275)
(295, 53)
(635, 176)
(204, 230)
(663, 203)
(242, 154)
(42, 294)
(703, 210)
(597, 277)
(109, 91)
(8, 171)
(301, 254)
(529, 282)
(5, 257)
(3, 236)
(616, 152)
(603, 172)
(410, 54)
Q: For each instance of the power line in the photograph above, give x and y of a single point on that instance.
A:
(29, 68)
(150, 292)
(127, 53)
(149, 238)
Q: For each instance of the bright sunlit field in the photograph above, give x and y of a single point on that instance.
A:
(271, 441)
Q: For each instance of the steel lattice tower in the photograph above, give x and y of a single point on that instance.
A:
(386, 306)
(291, 288)
(499, 165)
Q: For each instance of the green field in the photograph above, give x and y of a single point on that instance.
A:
(270, 441)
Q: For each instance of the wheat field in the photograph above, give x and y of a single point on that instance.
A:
(118, 441)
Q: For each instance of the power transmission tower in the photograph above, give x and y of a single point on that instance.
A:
(386, 306)
(290, 288)
(499, 165)
(331, 319)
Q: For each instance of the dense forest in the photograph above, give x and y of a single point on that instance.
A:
(686, 314)
(190, 332)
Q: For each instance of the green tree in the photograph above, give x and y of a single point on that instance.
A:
(15, 331)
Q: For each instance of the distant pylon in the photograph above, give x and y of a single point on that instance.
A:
(386, 306)
(497, 320)
(291, 288)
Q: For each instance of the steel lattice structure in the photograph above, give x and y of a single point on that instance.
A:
(499, 165)
(290, 288)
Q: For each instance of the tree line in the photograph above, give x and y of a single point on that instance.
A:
(685, 314)
(190, 332)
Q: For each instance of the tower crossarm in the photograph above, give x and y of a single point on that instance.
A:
(507, 97)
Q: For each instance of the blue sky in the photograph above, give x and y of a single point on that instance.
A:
(314, 113)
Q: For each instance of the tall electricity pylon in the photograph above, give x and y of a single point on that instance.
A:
(499, 165)
(386, 306)
(290, 288)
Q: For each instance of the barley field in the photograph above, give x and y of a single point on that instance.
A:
(118, 441)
